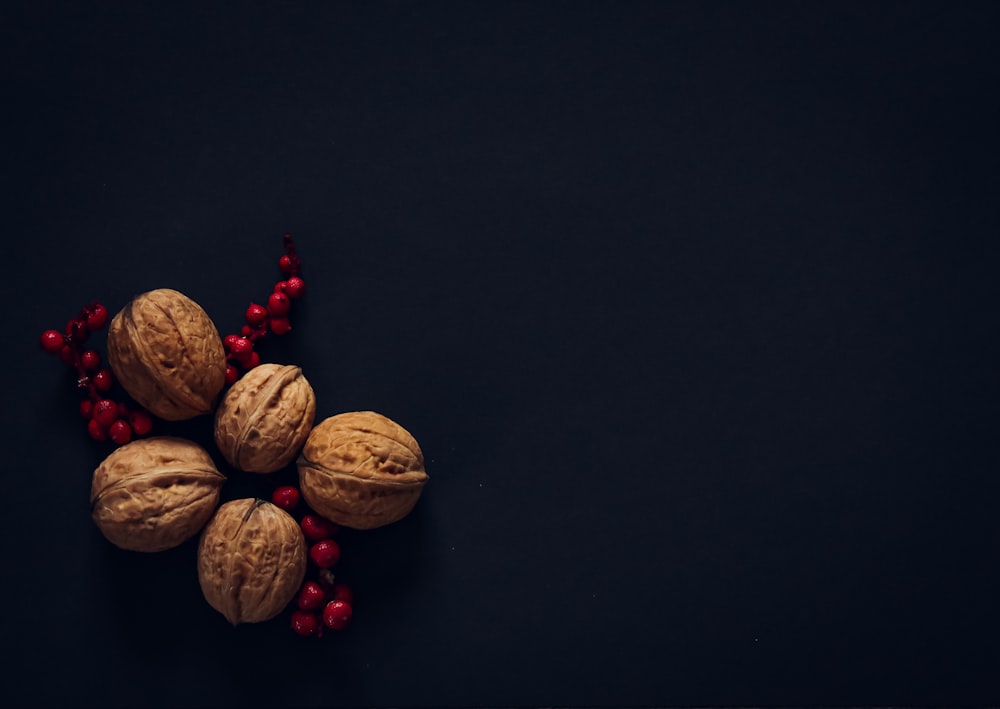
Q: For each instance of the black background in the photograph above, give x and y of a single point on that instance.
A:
(691, 307)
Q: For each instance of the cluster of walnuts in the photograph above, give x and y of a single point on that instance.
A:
(358, 469)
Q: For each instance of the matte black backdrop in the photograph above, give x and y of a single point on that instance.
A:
(691, 306)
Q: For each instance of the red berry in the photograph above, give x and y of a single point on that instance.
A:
(316, 528)
(52, 341)
(141, 422)
(286, 263)
(295, 287)
(305, 623)
(232, 374)
(342, 592)
(96, 430)
(325, 553)
(97, 316)
(280, 325)
(286, 497)
(246, 331)
(256, 314)
(120, 432)
(229, 341)
(105, 413)
(103, 380)
(337, 614)
(280, 286)
(253, 361)
(76, 329)
(311, 596)
(87, 408)
(91, 360)
(278, 304)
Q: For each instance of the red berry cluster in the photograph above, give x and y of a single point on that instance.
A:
(261, 320)
(322, 602)
(106, 419)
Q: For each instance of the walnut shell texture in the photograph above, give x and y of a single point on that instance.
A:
(251, 560)
(155, 493)
(167, 354)
(361, 470)
(265, 417)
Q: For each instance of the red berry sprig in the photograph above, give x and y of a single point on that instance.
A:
(322, 602)
(106, 418)
(261, 320)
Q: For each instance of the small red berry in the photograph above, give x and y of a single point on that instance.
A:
(105, 413)
(295, 287)
(286, 263)
(97, 316)
(253, 361)
(342, 592)
(256, 314)
(96, 430)
(280, 286)
(87, 408)
(316, 528)
(311, 596)
(278, 304)
(325, 553)
(246, 331)
(337, 614)
(91, 360)
(305, 623)
(242, 349)
(76, 329)
(141, 422)
(286, 497)
(103, 380)
(120, 432)
(228, 342)
(280, 325)
(232, 374)
(52, 341)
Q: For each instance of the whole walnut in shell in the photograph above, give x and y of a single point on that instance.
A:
(167, 354)
(361, 470)
(154, 493)
(265, 417)
(251, 560)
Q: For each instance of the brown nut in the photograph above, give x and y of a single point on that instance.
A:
(154, 493)
(361, 470)
(167, 354)
(265, 417)
(251, 560)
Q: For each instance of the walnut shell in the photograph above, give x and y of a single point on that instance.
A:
(167, 354)
(361, 470)
(154, 493)
(265, 417)
(251, 560)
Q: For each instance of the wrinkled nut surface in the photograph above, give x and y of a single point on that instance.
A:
(265, 417)
(167, 354)
(361, 470)
(154, 493)
(251, 560)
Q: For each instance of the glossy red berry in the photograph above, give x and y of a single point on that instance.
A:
(105, 413)
(342, 592)
(228, 341)
(278, 304)
(103, 380)
(90, 360)
(256, 314)
(286, 263)
(286, 497)
(97, 431)
(337, 614)
(324, 553)
(311, 596)
(295, 287)
(280, 325)
(141, 422)
(316, 528)
(52, 341)
(280, 286)
(120, 432)
(97, 316)
(253, 361)
(232, 374)
(305, 623)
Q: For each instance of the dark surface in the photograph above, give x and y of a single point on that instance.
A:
(691, 307)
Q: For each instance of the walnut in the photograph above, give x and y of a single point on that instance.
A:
(251, 560)
(155, 493)
(167, 354)
(361, 470)
(265, 417)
